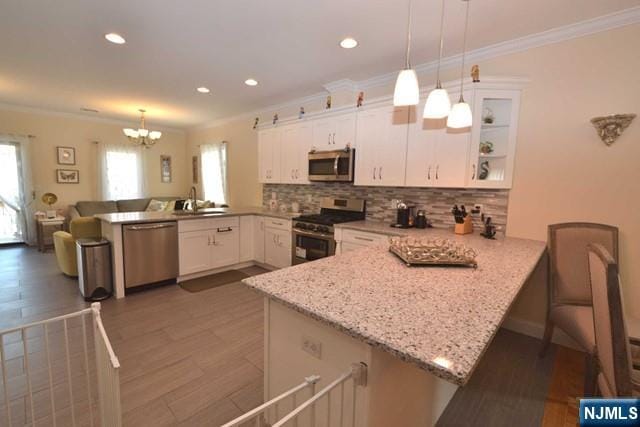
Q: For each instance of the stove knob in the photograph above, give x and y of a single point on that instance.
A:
(322, 229)
(311, 227)
(300, 225)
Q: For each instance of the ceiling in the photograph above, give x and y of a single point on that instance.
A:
(54, 55)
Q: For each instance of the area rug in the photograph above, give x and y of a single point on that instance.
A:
(213, 281)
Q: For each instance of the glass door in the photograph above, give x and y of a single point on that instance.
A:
(495, 117)
(11, 213)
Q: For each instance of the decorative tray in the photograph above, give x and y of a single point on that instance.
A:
(432, 252)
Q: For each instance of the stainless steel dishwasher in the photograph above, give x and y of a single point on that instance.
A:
(150, 253)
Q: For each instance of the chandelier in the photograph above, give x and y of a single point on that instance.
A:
(142, 136)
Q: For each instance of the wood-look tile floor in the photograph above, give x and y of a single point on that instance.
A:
(196, 359)
(187, 358)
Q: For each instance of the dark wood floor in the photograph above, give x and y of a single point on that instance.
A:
(197, 358)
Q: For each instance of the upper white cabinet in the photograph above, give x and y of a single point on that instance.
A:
(295, 146)
(492, 156)
(334, 132)
(381, 141)
(436, 155)
(269, 151)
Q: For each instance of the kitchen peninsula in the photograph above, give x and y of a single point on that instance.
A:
(421, 331)
(199, 244)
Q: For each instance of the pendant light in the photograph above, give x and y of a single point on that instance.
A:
(407, 91)
(460, 116)
(438, 103)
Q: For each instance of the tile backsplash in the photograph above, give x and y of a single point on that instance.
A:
(437, 202)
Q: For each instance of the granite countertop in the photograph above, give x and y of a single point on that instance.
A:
(142, 217)
(441, 319)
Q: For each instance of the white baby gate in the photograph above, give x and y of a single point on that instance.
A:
(358, 376)
(46, 367)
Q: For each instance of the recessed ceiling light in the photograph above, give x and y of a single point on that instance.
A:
(203, 89)
(348, 43)
(115, 38)
(251, 82)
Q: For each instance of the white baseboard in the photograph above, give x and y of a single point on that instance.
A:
(536, 330)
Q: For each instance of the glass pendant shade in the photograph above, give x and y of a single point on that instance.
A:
(130, 132)
(407, 91)
(438, 104)
(460, 116)
(143, 132)
(155, 134)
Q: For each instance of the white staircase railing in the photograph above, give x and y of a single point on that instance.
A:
(358, 376)
(54, 369)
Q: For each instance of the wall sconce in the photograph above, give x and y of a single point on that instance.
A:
(611, 127)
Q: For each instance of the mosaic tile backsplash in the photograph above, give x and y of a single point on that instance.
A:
(437, 202)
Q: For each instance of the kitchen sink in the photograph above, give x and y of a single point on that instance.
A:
(202, 212)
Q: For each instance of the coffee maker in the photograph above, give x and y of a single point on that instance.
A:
(404, 216)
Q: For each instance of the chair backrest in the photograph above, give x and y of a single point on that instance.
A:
(85, 228)
(569, 270)
(612, 342)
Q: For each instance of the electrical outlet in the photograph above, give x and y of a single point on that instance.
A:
(309, 198)
(477, 209)
(394, 204)
(313, 347)
(274, 195)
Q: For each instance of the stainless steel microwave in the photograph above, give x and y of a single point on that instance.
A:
(334, 166)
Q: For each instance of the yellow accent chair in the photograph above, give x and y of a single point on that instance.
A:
(65, 243)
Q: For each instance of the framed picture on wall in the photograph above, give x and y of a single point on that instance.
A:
(165, 169)
(66, 155)
(67, 176)
(195, 169)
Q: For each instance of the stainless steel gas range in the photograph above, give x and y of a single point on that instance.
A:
(313, 234)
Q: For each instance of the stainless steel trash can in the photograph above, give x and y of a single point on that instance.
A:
(94, 269)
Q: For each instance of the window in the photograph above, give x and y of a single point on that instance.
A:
(122, 176)
(214, 172)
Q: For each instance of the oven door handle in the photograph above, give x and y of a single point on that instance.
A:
(309, 234)
(335, 165)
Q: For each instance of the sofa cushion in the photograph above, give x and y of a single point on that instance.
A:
(133, 205)
(93, 208)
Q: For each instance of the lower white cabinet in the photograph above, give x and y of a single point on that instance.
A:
(214, 244)
(247, 241)
(258, 238)
(277, 247)
(351, 240)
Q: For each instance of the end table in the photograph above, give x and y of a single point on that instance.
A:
(45, 228)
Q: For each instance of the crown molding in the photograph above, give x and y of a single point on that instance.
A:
(556, 35)
(77, 116)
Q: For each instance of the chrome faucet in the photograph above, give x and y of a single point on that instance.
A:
(193, 198)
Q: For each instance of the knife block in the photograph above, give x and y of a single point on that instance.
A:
(466, 227)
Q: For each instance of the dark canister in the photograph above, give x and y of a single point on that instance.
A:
(421, 219)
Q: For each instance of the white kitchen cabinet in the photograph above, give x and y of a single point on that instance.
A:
(277, 247)
(381, 141)
(295, 146)
(349, 247)
(195, 252)
(351, 240)
(334, 132)
(258, 238)
(269, 152)
(494, 137)
(436, 155)
(206, 244)
(247, 241)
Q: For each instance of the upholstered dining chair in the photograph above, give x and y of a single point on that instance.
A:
(569, 294)
(616, 376)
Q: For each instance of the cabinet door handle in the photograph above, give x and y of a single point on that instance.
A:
(208, 240)
(334, 138)
(225, 230)
(429, 173)
(329, 139)
(473, 175)
(437, 169)
(374, 173)
(380, 172)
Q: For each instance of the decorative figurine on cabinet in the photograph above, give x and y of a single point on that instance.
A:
(360, 100)
(255, 123)
(484, 170)
(328, 105)
(301, 113)
(487, 116)
(475, 74)
(275, 118)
